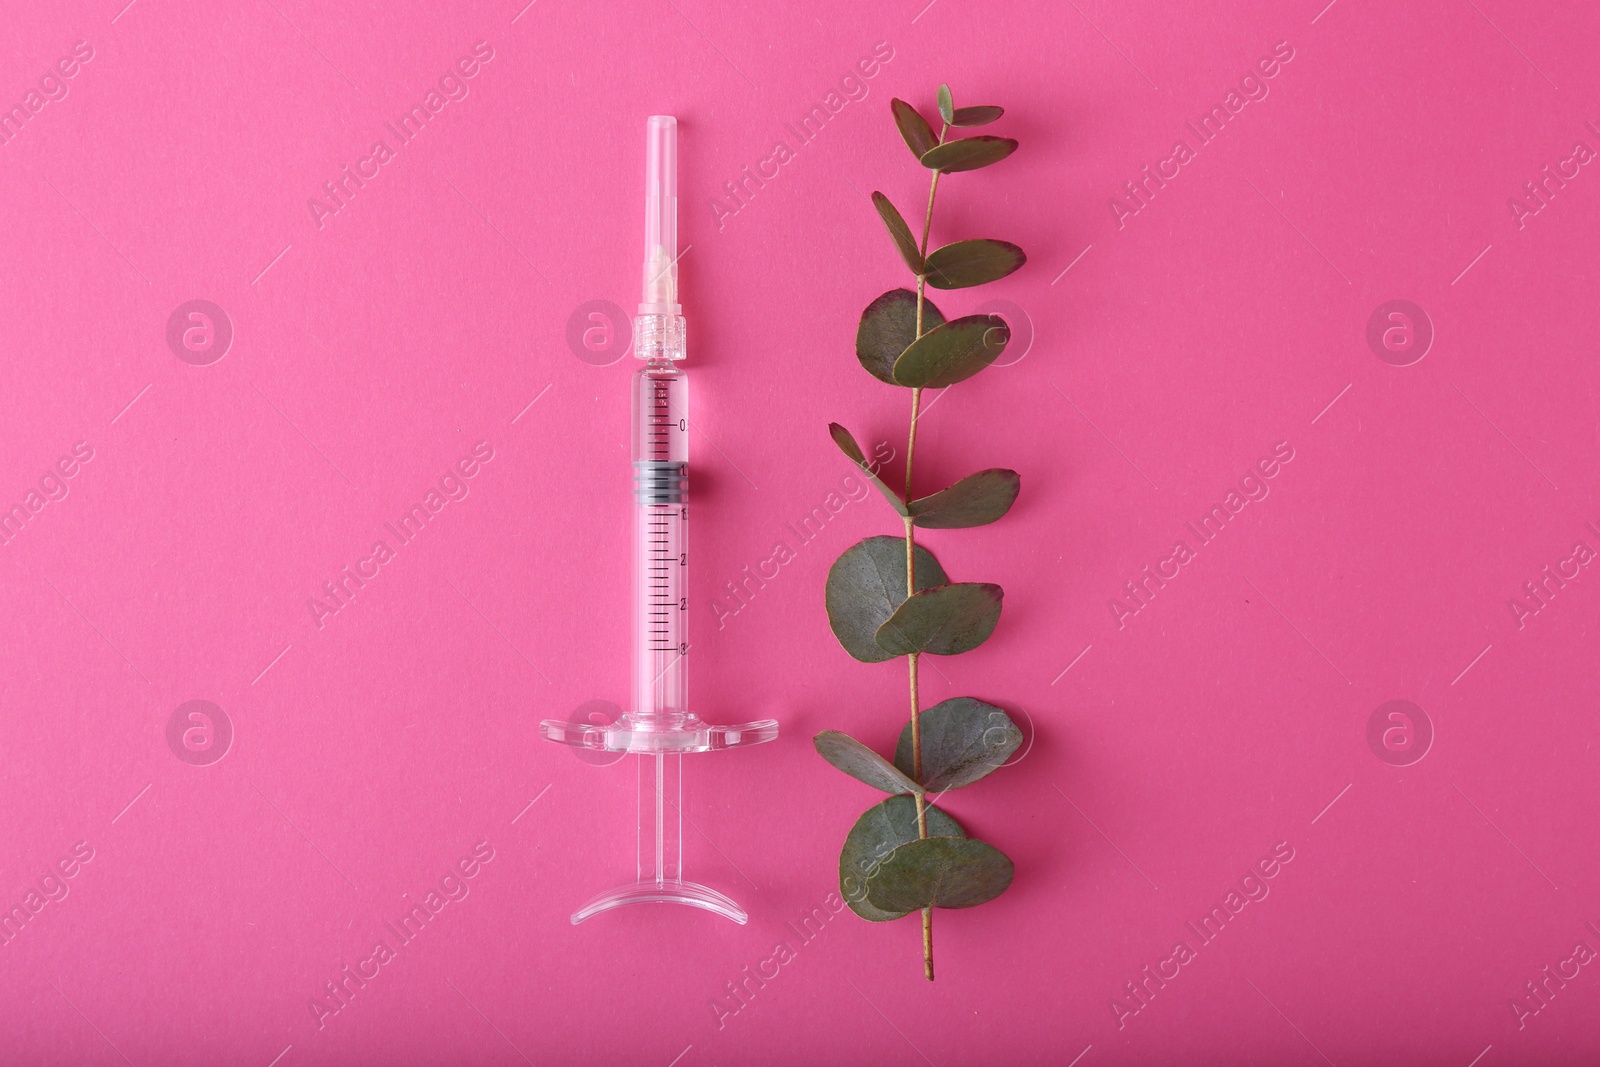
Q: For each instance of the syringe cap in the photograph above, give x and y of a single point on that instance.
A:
(661, 213)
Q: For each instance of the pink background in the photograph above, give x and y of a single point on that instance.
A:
(374, 751)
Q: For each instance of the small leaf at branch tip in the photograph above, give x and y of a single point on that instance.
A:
(915, 130)
(968, 153)
(976, 116)
(946, 105)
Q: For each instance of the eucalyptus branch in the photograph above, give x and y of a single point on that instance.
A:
(904, 854)
(911, 567)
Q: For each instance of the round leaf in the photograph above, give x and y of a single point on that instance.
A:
(946, 620)
(976, 500)
(947, 107)
(968, 153)
(866, 585)
(847, 445)
(881, 829)
(887, 329)
(913, 127)
(939, 872)
(976, 116)
(968, 263)
(963, 739)
(861, 763)
(901, 233)
(950, 353)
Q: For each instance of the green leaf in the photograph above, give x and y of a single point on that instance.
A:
(947, 106)
(939, 872)
(861, 763)
(901, 233)
(847, 445)
(913, 127)
(968, 153)
(946, 620)
(963, 739)
(976, 116)
(881, 829)
(968, 263)
(976, 500)
(866, 585)
(887, 329)
(949, 353)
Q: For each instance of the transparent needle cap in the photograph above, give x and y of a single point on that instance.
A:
(658, 330)
(660, 217)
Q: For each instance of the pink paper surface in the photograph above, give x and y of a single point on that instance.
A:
(1210, 327)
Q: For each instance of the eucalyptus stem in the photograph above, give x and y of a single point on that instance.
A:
(911, 440)
(939, 865)
(911, 575)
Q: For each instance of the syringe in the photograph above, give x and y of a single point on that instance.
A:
(660, 728)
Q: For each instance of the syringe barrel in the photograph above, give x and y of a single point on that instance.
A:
(660, 545)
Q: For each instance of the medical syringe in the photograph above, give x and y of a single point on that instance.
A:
(659, 728)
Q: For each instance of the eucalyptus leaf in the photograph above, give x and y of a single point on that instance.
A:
(865, 586)
(847, 445)
(881, 829)
(861, 763)
(947, 106)
(976, 500)
(939, 872)
(949, 353)
(976, 116)
(968, 263)
(913, 127)
(887, 329)
(968, 153)
(963, 739)
(902, 233)
(946, 620)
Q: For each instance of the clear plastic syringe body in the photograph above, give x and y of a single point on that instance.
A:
(660, 546)
(659, 727)
(660, 458)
